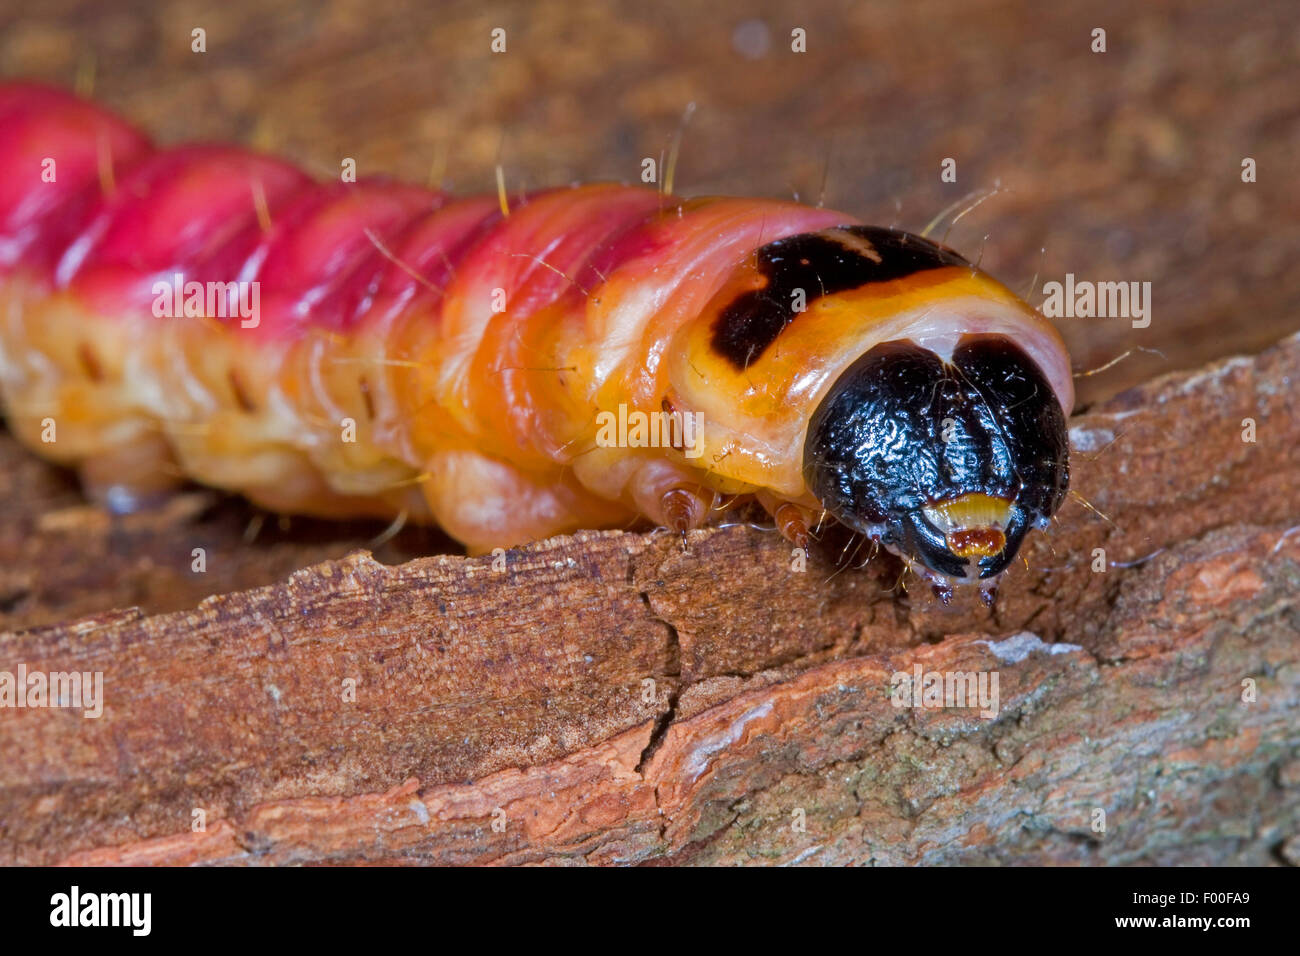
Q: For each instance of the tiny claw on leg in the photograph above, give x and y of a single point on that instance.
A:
(668, 496)
(989, 595)
(682, 509)
(791, 520)
(943, 592)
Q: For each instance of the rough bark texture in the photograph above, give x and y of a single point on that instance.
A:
(520, 696)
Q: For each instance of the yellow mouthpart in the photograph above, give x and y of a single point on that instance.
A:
(972, 525)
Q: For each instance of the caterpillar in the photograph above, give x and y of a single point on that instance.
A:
(211, 313)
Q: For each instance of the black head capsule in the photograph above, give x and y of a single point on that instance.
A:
(949, 464)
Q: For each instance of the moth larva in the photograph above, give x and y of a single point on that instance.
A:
(375, 348)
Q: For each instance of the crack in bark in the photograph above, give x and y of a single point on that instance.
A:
(665, 719)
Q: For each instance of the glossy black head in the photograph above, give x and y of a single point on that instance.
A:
(948, 464)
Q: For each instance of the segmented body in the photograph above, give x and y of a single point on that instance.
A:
(416, 353)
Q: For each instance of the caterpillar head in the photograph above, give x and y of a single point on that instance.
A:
(948, 462)
(920, 401)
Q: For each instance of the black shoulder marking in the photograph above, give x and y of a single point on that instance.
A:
(819, 263)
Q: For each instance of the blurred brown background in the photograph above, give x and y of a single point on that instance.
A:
(1121, 166)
